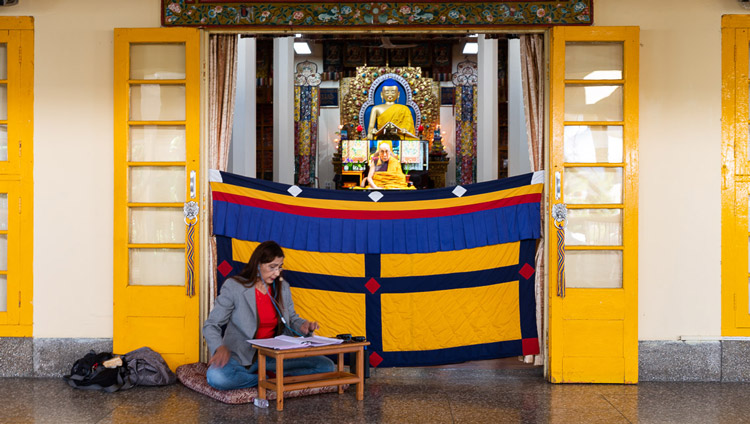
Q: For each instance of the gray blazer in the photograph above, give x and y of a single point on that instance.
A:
(235, 306)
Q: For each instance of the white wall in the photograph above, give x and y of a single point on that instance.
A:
(73, 157)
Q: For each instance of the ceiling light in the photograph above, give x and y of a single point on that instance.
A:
(470, 48)
(298, 35)
(301, 47)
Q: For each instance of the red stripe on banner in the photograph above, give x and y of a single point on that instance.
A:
(376, 214)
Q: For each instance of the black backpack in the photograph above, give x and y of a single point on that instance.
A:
(89, 373)
(141, 367)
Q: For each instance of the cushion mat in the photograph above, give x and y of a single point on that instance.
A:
(193, 376)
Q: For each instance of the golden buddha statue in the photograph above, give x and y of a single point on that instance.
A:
(390, 120)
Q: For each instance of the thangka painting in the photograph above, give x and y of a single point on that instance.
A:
(355, 150)
(411, 151)
(429, 277)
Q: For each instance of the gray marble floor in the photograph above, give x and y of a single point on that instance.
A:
(408, 395)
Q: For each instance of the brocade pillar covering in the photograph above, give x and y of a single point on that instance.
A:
(465, 80)
(306, 116)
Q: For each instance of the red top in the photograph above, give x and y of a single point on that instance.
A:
(267, 319)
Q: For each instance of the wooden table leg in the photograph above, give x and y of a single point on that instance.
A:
(280, 383)
(340, 368)
(360, 373)
(261, 375)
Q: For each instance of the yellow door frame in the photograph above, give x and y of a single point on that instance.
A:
(157, 316)
(581, 345)
(735, 170)
(16, 175)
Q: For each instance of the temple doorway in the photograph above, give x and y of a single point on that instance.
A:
(338, 62)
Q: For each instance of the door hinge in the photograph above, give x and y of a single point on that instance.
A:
(19, 205)
(20, 142)
(19, 299)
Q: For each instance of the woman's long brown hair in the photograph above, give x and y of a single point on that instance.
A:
(265, 253)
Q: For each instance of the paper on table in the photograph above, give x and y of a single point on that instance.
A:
(288, 342)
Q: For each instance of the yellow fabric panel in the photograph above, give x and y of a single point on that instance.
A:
(476, 259)
(338, 264)
(385, 206)
(450, 318)
(336, 312)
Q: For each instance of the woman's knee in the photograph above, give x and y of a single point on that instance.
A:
(217, 377)
(325, 364)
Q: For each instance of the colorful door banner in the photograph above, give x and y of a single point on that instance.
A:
(429, 277)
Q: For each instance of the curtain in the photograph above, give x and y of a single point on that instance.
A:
(532, 80)
(222, 82)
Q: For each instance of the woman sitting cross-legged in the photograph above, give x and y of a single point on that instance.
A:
(256, 304)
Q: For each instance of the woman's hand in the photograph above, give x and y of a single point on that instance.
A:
(307, 327)
(220, 358)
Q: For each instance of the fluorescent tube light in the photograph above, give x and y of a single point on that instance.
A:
(471, 48)
(301, 47)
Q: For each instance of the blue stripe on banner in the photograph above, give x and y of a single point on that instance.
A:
(386, 236)
(325, 235)
(492, 230)
(423, 235)
(427, 231)
(373, 306)
(412, 241)
(389, 196)
(224, 253)
(399, 236)
(464, 235)
(373, 237)
(313, 239)
(372, 267)
(264, 231)
(526, 295)
(459, 280)
(348, 236)
(450, 355)
(480, 228)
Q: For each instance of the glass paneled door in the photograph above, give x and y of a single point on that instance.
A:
(594, 168)
(156, 192)
(735, 186)
(16, 175)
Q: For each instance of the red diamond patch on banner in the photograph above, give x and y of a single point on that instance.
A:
(225, 268)
(530, 346)
(372, 286)
(375, 359)
(526, 271)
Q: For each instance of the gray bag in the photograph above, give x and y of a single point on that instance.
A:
(148, 368)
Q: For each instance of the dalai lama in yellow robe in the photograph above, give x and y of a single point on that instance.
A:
(385, 171)
(391, 114)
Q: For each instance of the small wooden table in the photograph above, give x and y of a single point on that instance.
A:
(336, 378)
